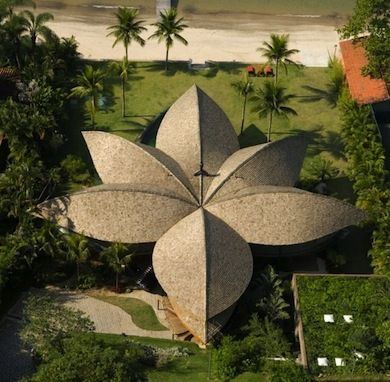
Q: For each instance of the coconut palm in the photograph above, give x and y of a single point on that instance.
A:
(168, 29)
(270, 100)
(77, 250)
(127, 29)
(36, 27)
(277, 52)
(89, 85)
(122, 69)
(117, 256)
(14, 27)
(243, 88)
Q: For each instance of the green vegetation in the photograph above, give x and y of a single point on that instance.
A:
(367, 300)
(142, 314)
(366, 159)
(372, 17)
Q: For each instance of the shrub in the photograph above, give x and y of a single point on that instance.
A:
(75, 169)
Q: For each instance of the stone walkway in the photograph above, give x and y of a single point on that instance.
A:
(108, 318)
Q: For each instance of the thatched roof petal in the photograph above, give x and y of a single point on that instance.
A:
(118, 160)
(277, 163)
(204, 266)
(196, 131)
(118, 212)
(283, 215)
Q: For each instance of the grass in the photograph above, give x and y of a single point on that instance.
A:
(151, 91)
(142, 313)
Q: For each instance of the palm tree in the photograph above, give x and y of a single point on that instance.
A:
(277, 52)
(243, 88)
(127, 29)
(77, 250)
(14, 27)
(36, 27)
(122, 69)
(168, 29)
(90, 85)
(269, 100)
(117, 256)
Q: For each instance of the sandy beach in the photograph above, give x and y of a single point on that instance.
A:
(216, 37)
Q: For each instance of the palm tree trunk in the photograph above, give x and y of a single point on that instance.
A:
(117, 281)
(269, 126)
(243, 114)
(127, 52)
(93, 112)
(78, 270)
(166, 59)
(123, 99)
(276, 71)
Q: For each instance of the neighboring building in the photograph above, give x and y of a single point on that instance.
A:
(336, 317)
(366, 90)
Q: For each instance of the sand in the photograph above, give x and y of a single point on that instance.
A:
(217, 37)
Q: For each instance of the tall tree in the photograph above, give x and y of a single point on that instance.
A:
(271, 100)
(277, 52)
(90, 85)
(14, 27)
(169, 29)
(122, 69)
(117, 256)
(77, 250)
(243, 89)
(35, 26)
(128, 28)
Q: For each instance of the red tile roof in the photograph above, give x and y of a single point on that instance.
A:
(364, 89)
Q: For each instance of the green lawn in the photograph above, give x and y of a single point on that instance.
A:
(142, 314)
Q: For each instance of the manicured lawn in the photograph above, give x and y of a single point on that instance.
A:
(152, 92)
(142, 314)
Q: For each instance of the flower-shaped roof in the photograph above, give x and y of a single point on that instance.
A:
(201, 199)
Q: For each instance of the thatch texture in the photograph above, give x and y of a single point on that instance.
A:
(277, 163)
(195, 130)
(284, 215)
(212, 268)
(119, 212)
(118, 160)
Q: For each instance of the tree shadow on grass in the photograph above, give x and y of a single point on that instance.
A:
(252, 136)
(318, 94)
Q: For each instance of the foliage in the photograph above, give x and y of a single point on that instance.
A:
(320, 169)
(46, 323)
(128, 28)
(36, 28)
(77, 250)
(372, 16)
(75, 169)
(271, 303)
(168, 30)
(87, 359)
(269, 100)
(366, 158)
(243, 89)
(117, 256)
(277, 52)
(366, 299)
(89, 85)
(287, 371)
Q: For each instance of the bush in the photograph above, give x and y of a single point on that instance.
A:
(75, 169)
(85, 359)
(287, 371)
